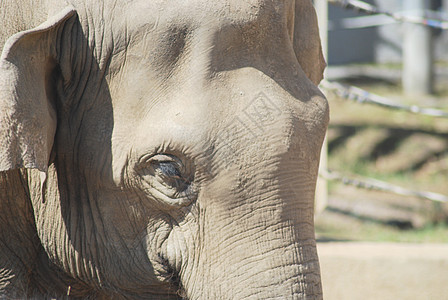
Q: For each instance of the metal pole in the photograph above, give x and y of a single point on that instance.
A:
(321, 201)
(418, 54)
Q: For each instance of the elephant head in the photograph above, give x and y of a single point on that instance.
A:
(162, 149)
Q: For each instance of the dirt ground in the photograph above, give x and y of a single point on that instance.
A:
(372, 271)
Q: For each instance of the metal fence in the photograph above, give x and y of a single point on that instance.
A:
(352, 93)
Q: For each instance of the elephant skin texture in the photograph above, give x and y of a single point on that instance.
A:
(159, 149)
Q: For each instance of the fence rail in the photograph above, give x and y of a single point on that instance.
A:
(401, 17)
(374, 184)
(359, 95)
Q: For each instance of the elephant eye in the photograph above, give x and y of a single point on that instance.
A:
(169, 169)
(167, 178)
(169, 173)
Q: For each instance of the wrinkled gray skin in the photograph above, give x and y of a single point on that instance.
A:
(159, 149)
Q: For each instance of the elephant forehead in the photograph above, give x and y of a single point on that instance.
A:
(234, 11)
(137, 20)
(184, 120)
(244, 106)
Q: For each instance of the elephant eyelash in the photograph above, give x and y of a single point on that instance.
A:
(168, 166)
(169, 169)
(165, 172)
(170, 174)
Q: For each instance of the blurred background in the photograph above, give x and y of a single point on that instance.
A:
(381, 201)
(387, 49)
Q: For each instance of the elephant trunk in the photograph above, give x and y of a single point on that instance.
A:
(263, 249)
(258, 270)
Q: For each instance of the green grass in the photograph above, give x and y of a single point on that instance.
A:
(374, 232)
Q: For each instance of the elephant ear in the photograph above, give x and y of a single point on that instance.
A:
(306, 41)
(27, 108)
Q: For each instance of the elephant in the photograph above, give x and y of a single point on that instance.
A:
(159, 149)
